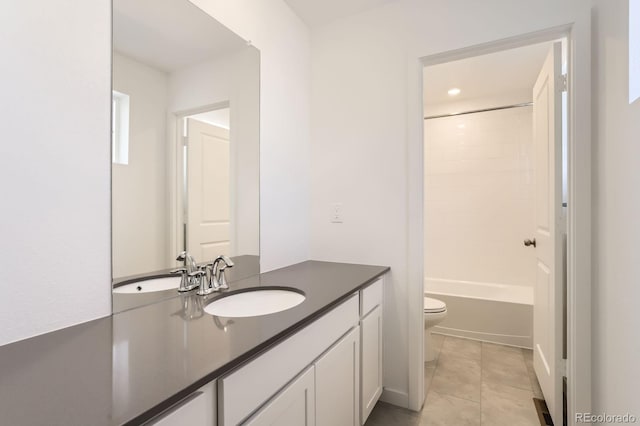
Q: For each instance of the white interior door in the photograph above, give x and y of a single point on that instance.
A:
(547, 310)
(208, 201)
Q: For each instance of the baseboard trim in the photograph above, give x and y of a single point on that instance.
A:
(395, 397)
(501, 339)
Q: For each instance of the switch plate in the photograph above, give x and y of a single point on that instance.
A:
(336, 213)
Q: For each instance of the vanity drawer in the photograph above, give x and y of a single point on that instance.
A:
(371, 297)
(244, 390)
(199, 408)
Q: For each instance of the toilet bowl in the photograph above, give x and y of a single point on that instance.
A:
(434, 312)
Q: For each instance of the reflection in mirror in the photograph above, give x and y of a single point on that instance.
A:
(185, 139)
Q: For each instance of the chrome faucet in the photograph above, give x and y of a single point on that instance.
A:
(205, 283)
(218, 271)
(189, 261)
(192, 276)
(215, 280)
(226, 263)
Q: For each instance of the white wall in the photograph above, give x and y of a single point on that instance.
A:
(54, 165)
(283, 41)
(139, 201)
(233, 78)
(365, 88)
(479, 198)
(616, 211)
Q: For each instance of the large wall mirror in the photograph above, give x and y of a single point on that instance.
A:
(185, 138)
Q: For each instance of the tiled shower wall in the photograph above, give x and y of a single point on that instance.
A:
(479, 198)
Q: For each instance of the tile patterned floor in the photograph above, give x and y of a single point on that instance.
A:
(471, 383)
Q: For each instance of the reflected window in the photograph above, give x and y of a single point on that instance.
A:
(119, 128)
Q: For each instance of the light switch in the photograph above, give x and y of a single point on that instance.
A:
(336, 213)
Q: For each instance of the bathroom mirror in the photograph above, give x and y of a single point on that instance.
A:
(185, 139)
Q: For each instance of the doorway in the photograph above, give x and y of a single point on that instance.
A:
(478, 243)
(204, 165)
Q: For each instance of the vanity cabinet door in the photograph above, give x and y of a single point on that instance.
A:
(371, 339)
(198, 409)
(292, 406)
(246, 389)
(338, 383)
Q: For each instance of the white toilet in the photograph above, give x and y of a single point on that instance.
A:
(434, 312)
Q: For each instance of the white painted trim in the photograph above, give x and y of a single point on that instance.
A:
(500, 339)
(579, 220)
(175, 214)
(415, 236)
(395, 397)
(579, 211)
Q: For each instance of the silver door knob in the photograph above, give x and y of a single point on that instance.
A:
(529, 242)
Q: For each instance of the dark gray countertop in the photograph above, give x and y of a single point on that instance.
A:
(130, 366)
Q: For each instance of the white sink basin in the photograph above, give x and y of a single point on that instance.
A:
(254, 303)
(148, 286)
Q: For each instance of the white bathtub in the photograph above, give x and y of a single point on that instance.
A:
(496, 313)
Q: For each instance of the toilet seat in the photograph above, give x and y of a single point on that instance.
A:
(433, 306)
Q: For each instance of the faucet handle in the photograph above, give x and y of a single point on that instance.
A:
(196, 279)
(206, 281)
(184, 280)
(207, 265)
(196, 275)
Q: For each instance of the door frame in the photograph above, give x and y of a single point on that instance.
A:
(174, 175)
(578, 299)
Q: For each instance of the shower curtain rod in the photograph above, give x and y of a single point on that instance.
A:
(526, 104)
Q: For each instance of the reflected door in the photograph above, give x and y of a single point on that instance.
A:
(208, 195)
(547, 310)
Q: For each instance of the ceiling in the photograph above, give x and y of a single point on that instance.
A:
(499, 74)
(218, 117)
(169, 34)
(316, 13)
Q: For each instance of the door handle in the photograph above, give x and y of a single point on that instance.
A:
(529, 242)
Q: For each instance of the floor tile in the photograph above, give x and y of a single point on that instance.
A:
(384, 414)
(446, 410)
(495, 349)
(437, 340)
(508, 406)
(457, 376)
(535, 386)
(428, 377)
(504, 365)
(462, 347)
(495, 388)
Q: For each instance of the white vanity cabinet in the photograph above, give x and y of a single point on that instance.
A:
(327, 374)
(263, 383)
(292, 406)
(371, 347)
(199, 408)
(327, 393)
(338, 383)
